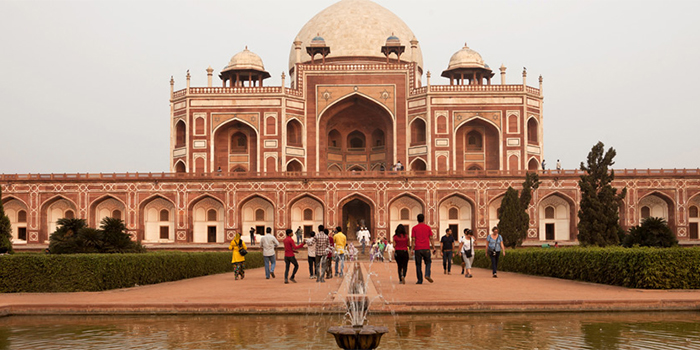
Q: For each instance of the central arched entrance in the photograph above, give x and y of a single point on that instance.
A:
(356, 133)
(356, 213)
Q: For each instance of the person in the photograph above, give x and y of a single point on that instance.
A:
(268, 242)
(363, 242)
(352, 252)
(401, 255)
(422, 244)
(399, 166)
(467, 246)
(300, 235)
(380, 249)
(556, 244)
(373, 251)
(543, 164)
(252, 236)
(340, 246)
(321, 245)
(328, 253)
(446, 247)
(237, 259)
(289, 250)
(311, 254)
(390, 251)
(558, 165)
(494, 248)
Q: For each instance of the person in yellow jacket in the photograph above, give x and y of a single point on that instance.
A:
(237, 260)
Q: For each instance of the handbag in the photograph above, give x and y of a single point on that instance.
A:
(468, 253)
(241, 250)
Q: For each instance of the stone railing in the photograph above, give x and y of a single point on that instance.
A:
(335, 174)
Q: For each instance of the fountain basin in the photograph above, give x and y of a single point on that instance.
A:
(358, 337)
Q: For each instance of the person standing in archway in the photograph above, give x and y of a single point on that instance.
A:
(422, 243)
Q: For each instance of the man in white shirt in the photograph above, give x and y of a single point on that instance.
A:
(268, 242)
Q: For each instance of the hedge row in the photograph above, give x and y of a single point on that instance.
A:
(45, 273)
(645, 268)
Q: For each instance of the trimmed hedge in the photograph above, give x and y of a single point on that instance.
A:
(47, 273)
(645, 267)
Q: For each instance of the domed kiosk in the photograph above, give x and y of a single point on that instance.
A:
(466, 65)
(244, 66)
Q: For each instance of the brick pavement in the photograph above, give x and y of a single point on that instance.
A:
(221, 294)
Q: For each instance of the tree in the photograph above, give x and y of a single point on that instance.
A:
(5, 230)
(599, 218)
(653, 232)
(513, 217)
(116, 239)
(65, 239)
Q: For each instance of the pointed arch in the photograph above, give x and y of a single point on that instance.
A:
(204, 229)
(533, 164)
(660, 205)
(154, 229)
(294, 165)
(180, 167)
(301, 205)
(50, 215)
(249, 206)
(418, 164)
(533, 131)
(17, 211)
(354, 209)
(418, 132)
(97, 210)
(560, 224)
(478, 141)
(403, 210)
(466, 213)
(295, 131)
(180, 134)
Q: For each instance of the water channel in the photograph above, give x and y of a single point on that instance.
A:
(649, 330)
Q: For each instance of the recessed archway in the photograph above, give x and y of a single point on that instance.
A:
(355, 131)
(356, 212)
(478, 143)
(236, 147)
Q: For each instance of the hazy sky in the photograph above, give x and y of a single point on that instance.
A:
(84, 85)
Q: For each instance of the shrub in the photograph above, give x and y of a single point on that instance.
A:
(46, 273)
(74, 237)
(5, 230)
(646, 268)
(653, 232)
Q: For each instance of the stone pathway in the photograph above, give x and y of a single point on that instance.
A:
(510, 292)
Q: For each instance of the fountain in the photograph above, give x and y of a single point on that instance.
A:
(357, 335)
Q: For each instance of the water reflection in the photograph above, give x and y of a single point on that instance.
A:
(656, 330)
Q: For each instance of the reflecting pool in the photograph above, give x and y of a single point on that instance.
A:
(649, 330)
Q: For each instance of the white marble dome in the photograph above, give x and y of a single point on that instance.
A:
(355, 28)
(245, 60)
(466, 58)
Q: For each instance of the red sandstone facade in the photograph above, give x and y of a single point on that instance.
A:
(321, 151)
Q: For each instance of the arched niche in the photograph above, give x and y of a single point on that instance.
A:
(418, 132)
(180, 134)
(556, 218)
(158, 215)
(107, 207)
(306, 213)
(359, 118)
(208, 221)
(17, 211)
(236, 147)
(404, 211)
(251, 217)
(294, 133)
(455, 213)
(56, 209)
(477, 142)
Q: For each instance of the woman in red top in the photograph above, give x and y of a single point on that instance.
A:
(289, 250)
(401, 255)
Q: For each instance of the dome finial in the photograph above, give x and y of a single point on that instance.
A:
(246, 47)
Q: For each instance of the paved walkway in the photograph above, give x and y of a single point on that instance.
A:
(510, 292)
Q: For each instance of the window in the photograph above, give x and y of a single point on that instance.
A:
(239, 143)
(334, 138)
(453, 214)
(211, 215)
(549, 213)
(69, 214)
(117, 214)
(418, 132)
(378, 138)
(356, 139)
(294, 133)
(164, 215)
(646, 212)
(259, 215)
(532, 131)
(405, 214)
(22, 216)
(308, 214)
(180, 135)
(692, 212)
(164, 232)
(475, 141)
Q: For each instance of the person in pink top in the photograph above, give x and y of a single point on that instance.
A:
(401, 248)
(422, 242)
(289, 250)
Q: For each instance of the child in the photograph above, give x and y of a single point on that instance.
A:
(390, 250)
(352, 252)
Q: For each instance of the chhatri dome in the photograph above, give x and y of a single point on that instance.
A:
(245, 60)
(355, 28)
(466, 58)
